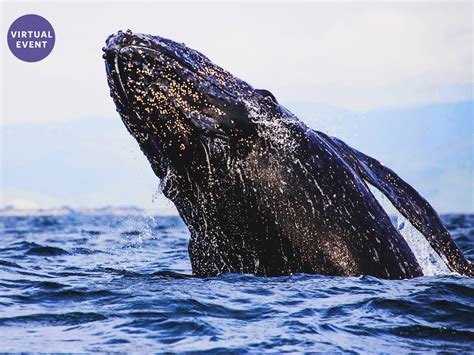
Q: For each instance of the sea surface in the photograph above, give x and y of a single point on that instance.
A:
(103, 281)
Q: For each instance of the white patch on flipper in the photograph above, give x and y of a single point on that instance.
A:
(431, 263)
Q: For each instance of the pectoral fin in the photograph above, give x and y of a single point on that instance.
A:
(408, 202)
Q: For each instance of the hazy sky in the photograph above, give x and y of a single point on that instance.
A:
(357, 56)
(360, 56)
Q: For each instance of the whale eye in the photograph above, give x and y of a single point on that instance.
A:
(266, 93)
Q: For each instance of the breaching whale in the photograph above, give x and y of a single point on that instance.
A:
(260, 192)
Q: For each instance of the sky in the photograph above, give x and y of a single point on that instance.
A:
(359, 56)
(354, 57)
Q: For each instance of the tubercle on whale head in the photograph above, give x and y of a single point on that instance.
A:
(169, 96)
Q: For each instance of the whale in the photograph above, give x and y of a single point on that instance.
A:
(260, 192)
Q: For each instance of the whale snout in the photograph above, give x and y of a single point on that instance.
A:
(116, 43)
(161, 79)
(121, 39)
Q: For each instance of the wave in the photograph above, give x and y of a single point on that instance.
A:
(48, 319)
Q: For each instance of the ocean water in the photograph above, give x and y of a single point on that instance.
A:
(100, 281)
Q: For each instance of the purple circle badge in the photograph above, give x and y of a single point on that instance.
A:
(31, 38)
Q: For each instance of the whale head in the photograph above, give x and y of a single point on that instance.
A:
(172, 98)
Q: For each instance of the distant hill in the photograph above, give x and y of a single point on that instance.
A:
(82, 163)
(95, 162)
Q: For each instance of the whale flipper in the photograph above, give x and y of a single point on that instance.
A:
(408, 202)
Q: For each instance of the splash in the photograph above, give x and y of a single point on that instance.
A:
(273, 128)
(431, 263)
